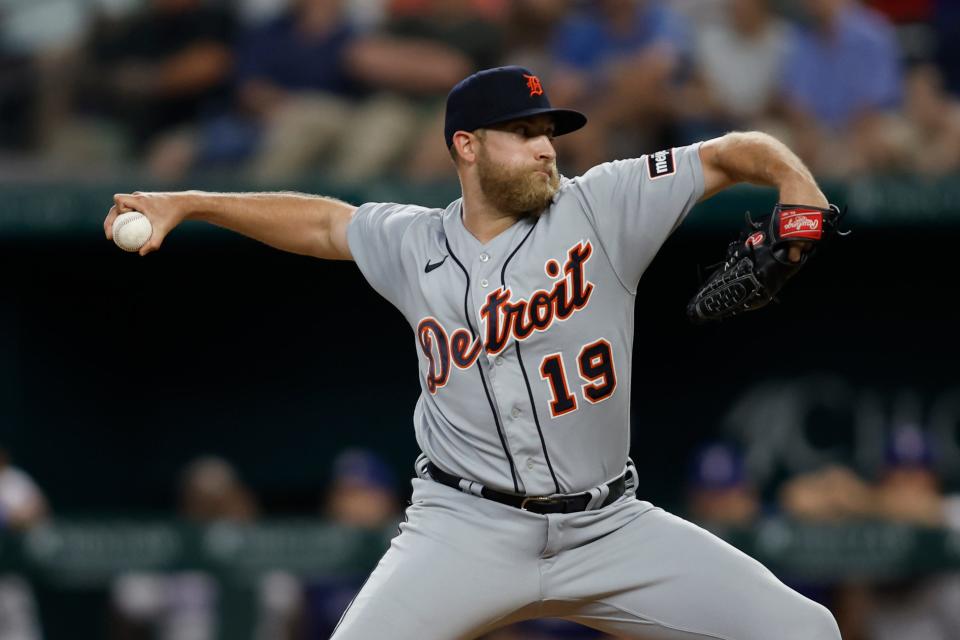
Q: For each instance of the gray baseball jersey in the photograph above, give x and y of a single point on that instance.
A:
(525, 342)
(524, 345)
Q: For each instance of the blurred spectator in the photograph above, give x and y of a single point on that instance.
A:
(841, 77)
(38, 44)
(493, 10)
(905, 10)
(354, 90)
(360, 103)
(280, 607)
(908, 492)
(700, 13)
(467, 26)
(368, 15)
(149, 74)
(719, 492)
(530, 32)
(923, 609)
(946, 24)
(842, 65)
(832, 494)
(211, 491)
(183, 606)
(913, 22)
(362, 494)
(617, 60)
(31, 28)
(251, 13)
(300, 102)
(925, 137)
(22, 506)
(738, 62)
(17, 97)
(425, 49)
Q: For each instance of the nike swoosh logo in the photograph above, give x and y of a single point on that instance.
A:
(431, 267)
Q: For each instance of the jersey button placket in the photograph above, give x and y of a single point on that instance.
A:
(485, 258)
(485, 273)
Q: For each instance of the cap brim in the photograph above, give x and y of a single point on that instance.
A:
(565, 120)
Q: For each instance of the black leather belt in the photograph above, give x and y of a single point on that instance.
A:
(537, 504)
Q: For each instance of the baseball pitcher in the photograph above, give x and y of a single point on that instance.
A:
(521, 297)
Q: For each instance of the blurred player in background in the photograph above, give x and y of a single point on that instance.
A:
(22, 507)
(719, 491)
(22, 503)
(907, 492)
(362, 493)
(183, 605)
(925, 607)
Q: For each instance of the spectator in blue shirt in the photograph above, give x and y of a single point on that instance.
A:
(841, 76)
(617, 60)
(843, 65)
(608, 30)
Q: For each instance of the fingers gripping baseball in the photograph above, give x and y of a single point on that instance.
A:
(160, 209)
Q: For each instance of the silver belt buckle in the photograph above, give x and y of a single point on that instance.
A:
(523, 505)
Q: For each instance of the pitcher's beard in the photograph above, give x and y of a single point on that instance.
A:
(521, 193)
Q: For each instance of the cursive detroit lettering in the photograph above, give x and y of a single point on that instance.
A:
(503, 317)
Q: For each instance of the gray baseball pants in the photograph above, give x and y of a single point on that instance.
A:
(463, 566)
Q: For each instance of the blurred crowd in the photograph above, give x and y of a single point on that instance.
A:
(906, 491)
(363, 493)
(270, 91)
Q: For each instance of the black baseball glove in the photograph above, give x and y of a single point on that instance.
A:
(758, 263)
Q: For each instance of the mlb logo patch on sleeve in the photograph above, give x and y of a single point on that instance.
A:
(661, 164)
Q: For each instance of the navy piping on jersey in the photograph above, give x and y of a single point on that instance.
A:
(473, 335)
(536, 420)
(523, 370)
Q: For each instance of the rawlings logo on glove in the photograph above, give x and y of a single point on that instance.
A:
(801, 223)
(758, 265)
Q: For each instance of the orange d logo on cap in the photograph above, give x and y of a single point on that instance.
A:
(533, 83)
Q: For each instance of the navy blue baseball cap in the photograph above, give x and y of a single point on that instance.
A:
(908, 446)
(717, 465)
(364, 468)
(494, 96)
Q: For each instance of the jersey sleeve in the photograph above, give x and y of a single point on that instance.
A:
(635, 204)
(376, 235)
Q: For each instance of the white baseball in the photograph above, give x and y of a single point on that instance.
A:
(131, 230)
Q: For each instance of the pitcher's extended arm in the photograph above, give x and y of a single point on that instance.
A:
(294, 222)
